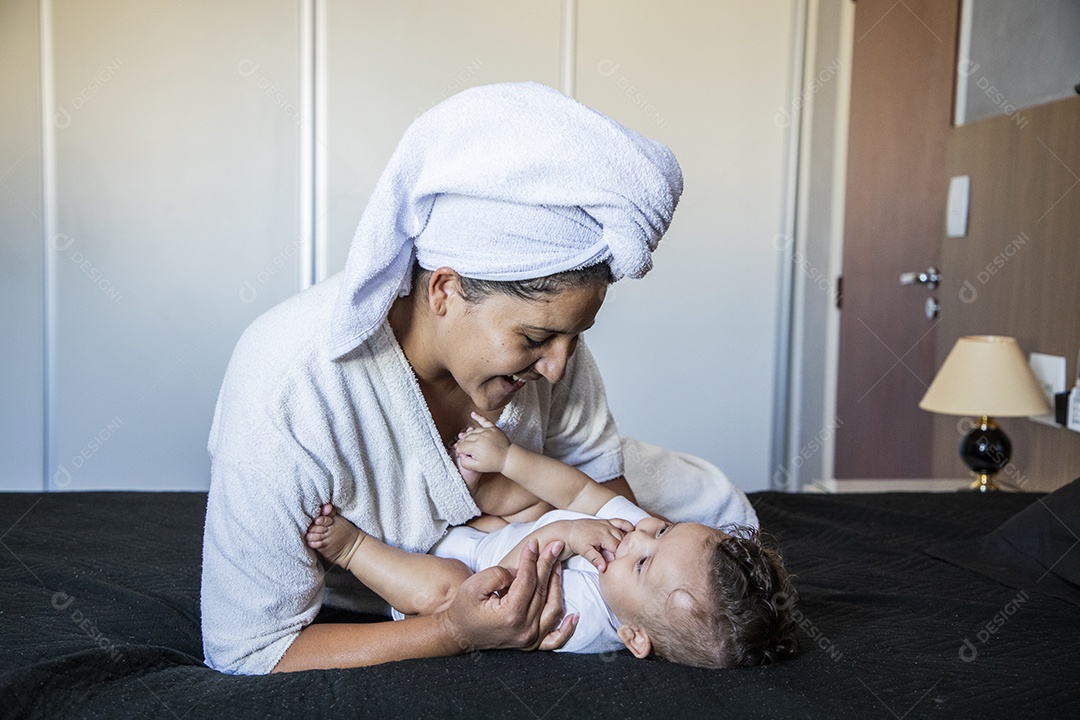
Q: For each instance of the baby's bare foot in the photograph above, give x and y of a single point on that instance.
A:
(334, 537)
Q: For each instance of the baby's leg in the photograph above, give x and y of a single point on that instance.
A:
(414, 583)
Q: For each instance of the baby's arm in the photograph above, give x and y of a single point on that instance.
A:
(498, 495)
(413, 583)
(487, 449)
(595, 540)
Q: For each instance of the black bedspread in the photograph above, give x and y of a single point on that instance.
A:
(99, 617)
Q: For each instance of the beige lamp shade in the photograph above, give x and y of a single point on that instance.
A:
(985, 375)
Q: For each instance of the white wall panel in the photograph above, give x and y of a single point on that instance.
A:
(179, 191)
(389, 61)
(176, 182)
(21, 272)
(689, 354)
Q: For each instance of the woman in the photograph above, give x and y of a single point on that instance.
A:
(483, 254)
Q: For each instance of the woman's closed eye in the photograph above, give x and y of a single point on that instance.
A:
(534, 342)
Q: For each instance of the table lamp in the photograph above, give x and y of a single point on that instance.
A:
(985, 376)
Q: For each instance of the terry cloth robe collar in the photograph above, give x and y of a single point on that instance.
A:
(415, 433)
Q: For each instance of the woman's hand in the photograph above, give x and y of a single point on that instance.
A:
(481, 449)
(504, 609)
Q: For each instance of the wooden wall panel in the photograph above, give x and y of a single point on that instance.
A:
(1018, 270)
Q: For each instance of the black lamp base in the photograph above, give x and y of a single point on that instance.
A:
(986, 450)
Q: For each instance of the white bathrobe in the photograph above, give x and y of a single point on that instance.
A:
(294, 429)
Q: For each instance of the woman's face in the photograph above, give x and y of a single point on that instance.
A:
(495, 346)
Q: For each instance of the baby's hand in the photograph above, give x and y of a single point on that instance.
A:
(597, 540)
(471, 477)
(481, 449)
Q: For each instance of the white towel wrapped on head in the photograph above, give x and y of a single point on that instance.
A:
(501, 155)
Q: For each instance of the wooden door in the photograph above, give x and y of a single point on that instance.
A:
(901, 104)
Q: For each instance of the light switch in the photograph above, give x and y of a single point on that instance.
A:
(956, 216)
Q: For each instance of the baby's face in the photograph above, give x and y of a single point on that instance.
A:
(651, 562)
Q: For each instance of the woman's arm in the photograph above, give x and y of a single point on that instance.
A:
(495, 608)
(342, 645)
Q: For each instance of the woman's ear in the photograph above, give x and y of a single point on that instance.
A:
(443, 286)
(636, 640)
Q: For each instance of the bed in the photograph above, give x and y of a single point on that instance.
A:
(99, 617)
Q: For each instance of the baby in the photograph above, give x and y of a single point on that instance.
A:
(684, 592)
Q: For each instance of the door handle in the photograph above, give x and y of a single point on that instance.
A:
(930, 277)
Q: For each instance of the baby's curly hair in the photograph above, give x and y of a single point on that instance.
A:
(748, 616)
